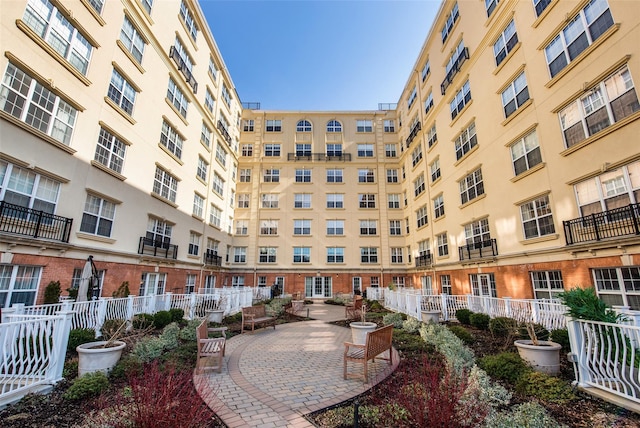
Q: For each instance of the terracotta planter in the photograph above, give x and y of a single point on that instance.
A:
(544, 357)
(359, 331)
(430, 316)
(94, 357)
(215, 315)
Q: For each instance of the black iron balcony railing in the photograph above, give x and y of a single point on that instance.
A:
(157, 248)
(478, 250)
(344, 157)
(212, 258)
(182, 66)
(614, 223)
(457, 65)
(414, 132)
(34, 223)
(224, 132)
(424, 260)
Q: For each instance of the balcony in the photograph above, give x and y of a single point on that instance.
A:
(424, 260)
(387, 106)
(251, 106)
(618, 222)
(224, 132)
(414, 133)
(457, 65)
(157, 248)
(37, 224)
(478, 250)
(182, 66)
(211, 258)
(322, 157)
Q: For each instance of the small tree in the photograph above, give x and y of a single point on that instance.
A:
(122, 291)
(52, 292)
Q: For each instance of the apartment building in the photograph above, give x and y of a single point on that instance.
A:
(509, 166)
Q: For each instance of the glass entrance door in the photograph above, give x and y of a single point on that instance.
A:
(356, 286)
(318, 287)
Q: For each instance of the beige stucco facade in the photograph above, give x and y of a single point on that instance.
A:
(512, 122)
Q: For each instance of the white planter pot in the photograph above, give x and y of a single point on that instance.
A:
(430, 316)
(215, 315)
(359, 331)
(93, 357)
(544, 357)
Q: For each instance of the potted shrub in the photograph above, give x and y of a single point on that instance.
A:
(101, 355)
(542, 355)
(359, 329)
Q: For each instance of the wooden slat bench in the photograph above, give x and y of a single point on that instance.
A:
(252, 315)
(378, 341)
(210, 349)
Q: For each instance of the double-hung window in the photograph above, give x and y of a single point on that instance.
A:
(242, 227)
(302, 227)
(334, 126)
(416, 155)
(368, 254)
(98, 216)
(537, 219)
(165, 184)
(442, 242)
(110, 150)
(240, 254)
(477, 232)
(177, 98)
(132, 40)
(428, 103)
(364, 126)
(209, 101)
(547, 284)
(301, 254)
(515, 95)
(395, 229)
(221, 155)
(389, 125)
(335, 227)
(205, 135)
(198, 206)
(448, 25)
(412, 97)
(614, 189)
(27, 189)
(269, 200)
(274, 125)
(121, 92)
(19, 284)
(505, 43)
(194, 244)
(247, 150)
(269, 227)
(215, 216)
(303, 149)
(525, 153)
(302, 200)
(619, 286)
(367, 200)
(422, 217)
(368, 227)
(438, 206)
(267, 254)
(271, 175)
(366, 175)
(396, 254)
(218, 184)
(365, 150)
(171, 139)
(393, 200)
(392, 176)
(432, 136)
(202, 169)
(189, 22)
(462, 98)
(271, 150)
(303, 175)
(335, 254)
(466, 141)
(418, 185)
(434, 169)
(245, 175)
(244, 199)
(335, 200)
(248, 125)
(471, 186)
(426, 70)
(334, 175)
(147, 5)
(226, 95)
(490, 6)
(391, 150)
(332, 149)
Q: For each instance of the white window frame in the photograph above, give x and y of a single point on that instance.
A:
(98, 216)
(165, 184)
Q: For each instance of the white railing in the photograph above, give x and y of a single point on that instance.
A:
(32, 352)
(375, 293)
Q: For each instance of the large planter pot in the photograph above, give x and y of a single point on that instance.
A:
(359, 330)
(544, 357)
(215, 315)
(430, 316)
(94, 357)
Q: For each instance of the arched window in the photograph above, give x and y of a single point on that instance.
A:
(334, 126)
(303, 126)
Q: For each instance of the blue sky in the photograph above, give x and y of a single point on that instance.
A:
(319, 55)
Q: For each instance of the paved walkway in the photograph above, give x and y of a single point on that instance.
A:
(273, 377)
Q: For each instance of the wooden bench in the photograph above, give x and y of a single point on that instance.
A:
(378, 341)
(252, 315)
(353, 310)
(210, 349)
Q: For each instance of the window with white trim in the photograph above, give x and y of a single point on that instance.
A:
(217, 184)
(302, 227)
(619, 286)
(613, 189)
(205, 135)
(366, 200)
(422, 217)
(303, 175)
(244, 200)
(331, 149)
(364, 125)
(177, 98)
(507, 40)
(537, 219)
(221, 154)
(303, 126)
(303, 149)
(335, 227)
(368, 227)
(515, 95)
(247, 150)
(239, 254)
(412, 98)
(271, 175)
(335, 254)
(395, 228)
(483, 284)
(267, 254)
(132, 40)
(18, 284)
(466, 141)
(428, 103)
(334, 126)
(272, 150)
(98, 216)
(426, 70)
(269, 200)
(392, 175)
(189, 22)
(540, 6)
(432, 136)
(194, 244)
(97, 5)
(448, 24)
(477, 232)
(110, 150)
(416, 155)
(368, 255)
(237, 281)
(268, 227)
(213, 69)
(302, 200)
(242, 227)
(418, 185)
(471, 186)
(490, 6)
(273, 125)
(209, 101)
(462, 98)
(366, 175)
(391, 150)
(547, 284)
(147, 5)
(442, 243)
(190, 283)
(438, 206)
(248, 125)
(171, 139)
(525, 153)
(434, 169)
(198, 205)
(396, 254)
(226, 95)
(335, 200)
(445, 284)
(245, 175)
(158, 231)
(393, 200)
(389, 125)
(301, 254)
(215, 216)
(165, 184)
(334, 176)
(185, 59)
(365, 150)
(203, 168)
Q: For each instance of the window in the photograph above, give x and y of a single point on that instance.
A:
(366, 175)
(426, 70)
(416, 155)
(364, 126)
(267, 254)
(456, 60)
(303, 149)
(335, 200)
(396, 254)
(198, 205)
(221, 155)
(421, 216)
(237, 281)
(432, 136)
(226, 95)
(367, 200)
(525, 153)
(183, 59)
(302, 227)
(335, 227)
(428, 103)
(165, 184)
(132, 40)
(434, 168)
(98, 216)
(18, 284)
(334, 176)
(247, 125)
(209, 101)
(332, 150)
(368, 255)
(232, 198)
(244, 200)
(97, 5)
(619, 286)
(269, 200)
(406, 203)
(272, 150)
(391, 150)
(438, 206)
(395, 229)
(190, 283)
(462, 98)
(483, 284)
(189, 22)
(121, 92)
(171, 139)
(442, 243)
(177, 98)
(392, 176)
(365, 150)
(335, 254)
(218, 184)
(418, 186)
(242, 227)
(389, 125)
(110, 150)
(271, 175)
(303, 175)
(445, 284)
(448, 25)
(540, 6)
(477, 232)
(334, 126)
(158, 231)
(24, 98)
(55, 29)
(471, 186)
(240, 254)
(268, 227)
(302, 200)
(406, 222)
(303, 126)
(205, 135)
(608, 102)
(213, 69)
(203, 169)
(547, 284)
(505, 43)
(147, 4)
(274, 126)
(608, 191)
(412, 98)
(301, 254)
(215, 216)
(393, 200)
(368, 227)
(194, 244)
(490, 6)
(245, 175)
(584, 29)
(516, 94)
(247, 150)
(466, 141)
